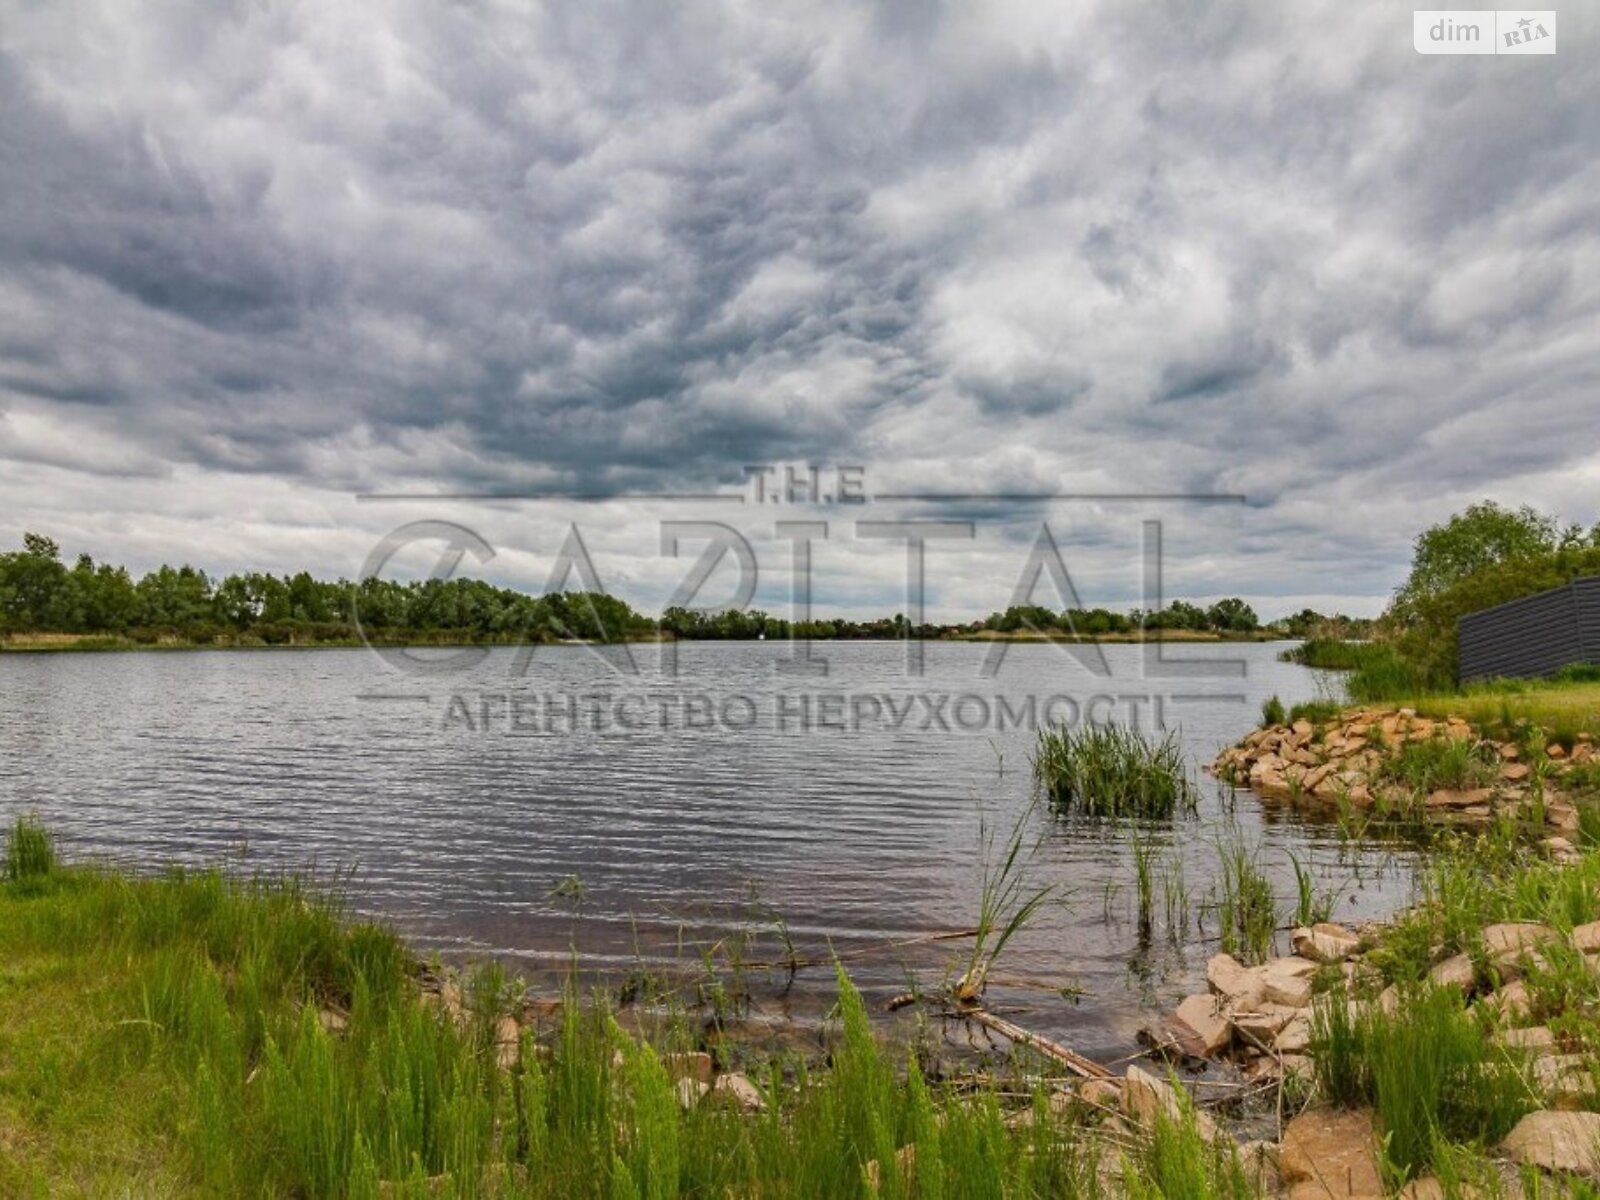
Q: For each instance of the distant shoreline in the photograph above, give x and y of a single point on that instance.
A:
(97, 643)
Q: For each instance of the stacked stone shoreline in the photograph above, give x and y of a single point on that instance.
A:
(1259, 1019)
(1342, 762)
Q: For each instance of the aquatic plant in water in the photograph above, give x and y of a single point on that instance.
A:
(1111, 771)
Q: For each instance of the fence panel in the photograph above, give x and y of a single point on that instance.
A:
(1535, 635)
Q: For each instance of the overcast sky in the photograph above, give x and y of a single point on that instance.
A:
(257, 259)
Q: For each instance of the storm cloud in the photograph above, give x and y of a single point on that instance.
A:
(259, 258)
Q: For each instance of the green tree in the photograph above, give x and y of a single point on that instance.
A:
(1482, 536)
(1232, 614)
(33, 586)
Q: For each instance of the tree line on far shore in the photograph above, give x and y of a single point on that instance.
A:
(41, 593)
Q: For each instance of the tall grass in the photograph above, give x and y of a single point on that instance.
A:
(30, 852)
(1311, 906)
(1247, 910)
(1007, 901)
(1428, 1069)
(1333, 654)
(1385, 676)
(1442, 762)
(1273, 712)
(209, 1046)
(1112, 771)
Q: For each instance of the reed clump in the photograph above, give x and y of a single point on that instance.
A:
(30, 852)
(1112, 771)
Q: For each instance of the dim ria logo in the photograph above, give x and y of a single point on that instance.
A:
(1506, 31)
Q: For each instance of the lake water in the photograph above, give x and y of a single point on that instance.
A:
(669, 808)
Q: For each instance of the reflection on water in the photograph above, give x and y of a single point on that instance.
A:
(675, 808)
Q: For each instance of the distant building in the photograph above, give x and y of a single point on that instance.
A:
(1534, 636)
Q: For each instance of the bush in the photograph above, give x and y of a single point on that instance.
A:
(1427, 638)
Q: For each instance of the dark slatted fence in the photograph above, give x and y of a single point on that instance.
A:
(1536, 635)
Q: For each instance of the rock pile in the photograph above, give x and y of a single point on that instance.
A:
(1346, 761)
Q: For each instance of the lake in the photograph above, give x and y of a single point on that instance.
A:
(564, 803)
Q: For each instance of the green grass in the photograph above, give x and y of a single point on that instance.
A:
(1332, 654)
(1111, 771)
(1444, 1090)
(1272, 711)
(1565, 708)
(1428, 1068)
(1378, 672)
(30, 853)
(165, 1035)
(1385, 677)
(1442, 762)
(1318, 712)
(1247, 911)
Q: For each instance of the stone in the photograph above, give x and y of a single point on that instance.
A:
(1262, 1025)
(1557, 1141)
(1565, 1079)
(1449, 798)
(1556, 750)
(740, 1090)
(1586, 938)
(1510, 1003)
(1515, 936)
(1509, 751)
(1201, 1014)
(696, 1065)
(1101, 1093)
(1455, 971)
(333, 1021)
(689, 1092)
(1514, 772)
(1325, 942)
(1561, 850)
(1561, 815)
(1331, 1152)
(1295, 1037)
(1239, 986)
(1535, 1040)
(1284, 982)
(1316, 777)
(1508, 941)
(1427, 1187)
(507, 1042)
(1145, 1098)
(1260, 1162)
(448, 999)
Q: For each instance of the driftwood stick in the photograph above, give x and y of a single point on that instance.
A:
(832, 957)
(1069, 1058)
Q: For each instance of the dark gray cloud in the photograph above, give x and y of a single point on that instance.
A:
(254, 259)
